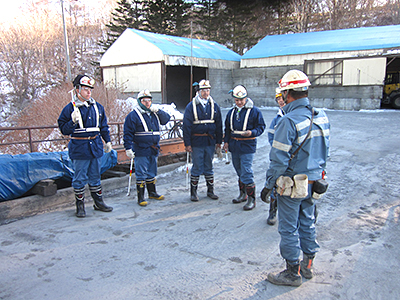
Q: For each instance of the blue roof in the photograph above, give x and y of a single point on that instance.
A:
(364, 38)
(179, 46)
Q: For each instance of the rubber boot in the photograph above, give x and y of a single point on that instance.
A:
(210, 187)
(140, 193)
(291, 276)
(306, 266)
(242, 195)
(273, 207)
(151, 189)
(194, 182)
(97, 195)
(251, 196)
(80, 202)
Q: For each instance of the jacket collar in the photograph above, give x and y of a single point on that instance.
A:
(295, 104)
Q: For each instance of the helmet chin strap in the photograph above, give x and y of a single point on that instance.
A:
(284, 96)
(79, 94)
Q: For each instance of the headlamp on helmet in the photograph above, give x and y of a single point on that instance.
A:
(83, 80)
(239, 92)
(278, 93)
(204, 84)
(294, 80)
(144, 94)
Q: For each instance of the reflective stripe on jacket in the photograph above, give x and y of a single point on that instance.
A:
(290, 132)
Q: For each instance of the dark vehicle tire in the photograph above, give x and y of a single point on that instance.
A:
(395, 102)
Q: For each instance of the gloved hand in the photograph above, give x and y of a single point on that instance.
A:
(75, 116)
(130, 153)
(154, 108)
(265, 194)
(108, 147)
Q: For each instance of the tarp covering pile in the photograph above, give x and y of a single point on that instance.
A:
(20, 173)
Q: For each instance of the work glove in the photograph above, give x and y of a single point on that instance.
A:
(154, 108)
(219, 152)
(108, 147)
(265, 194)
(130, 153)
(75, 116)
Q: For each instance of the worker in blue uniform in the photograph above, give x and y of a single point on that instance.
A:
(273, 205)
(202, 136)
(297, 162)
(243, 123)
(142, 143)
(85, 121)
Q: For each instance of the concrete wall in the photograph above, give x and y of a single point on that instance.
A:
(261, 84)
(221, 83)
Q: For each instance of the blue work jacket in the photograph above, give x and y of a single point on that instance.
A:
(271, 130)
(213, 130)
(135, 136)
(290, 132)
(94, 125)
(255, 122)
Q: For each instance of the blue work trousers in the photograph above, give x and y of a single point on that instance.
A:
(243, 164)
(297, 226)
(145, 167)
(86, 171)
(202, 158)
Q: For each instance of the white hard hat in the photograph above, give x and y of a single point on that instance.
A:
(294, 80)
(278, 93)
(144, 94)
(239, 92)
(204, 84)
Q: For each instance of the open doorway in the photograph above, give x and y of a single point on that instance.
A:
(391, 89)
(178, 84)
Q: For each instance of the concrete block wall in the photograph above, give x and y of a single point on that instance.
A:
(262, 82)
(221, 81)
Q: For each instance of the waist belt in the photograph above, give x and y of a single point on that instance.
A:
(203, 134)
(243, 139)
(311, 181)
(147, 133)
(84, 138)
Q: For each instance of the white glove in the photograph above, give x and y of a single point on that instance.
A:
(75, 116)
(154, 108)
(130, 153)
(108, 147)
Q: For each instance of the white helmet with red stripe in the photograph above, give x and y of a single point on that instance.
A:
(294, 80)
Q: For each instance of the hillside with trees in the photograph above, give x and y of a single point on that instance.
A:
(32, 50)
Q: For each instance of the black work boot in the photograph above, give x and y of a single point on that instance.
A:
(273, 207)
(151, 189)
(194, 182)
(251, 196)
(291, 276)
(306, 266)
(242, 195)
(210, 187)
(97, 195)
(80, 202)
(140, 193)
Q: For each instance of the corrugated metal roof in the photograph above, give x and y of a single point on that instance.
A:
(179, 46)
(364, 38)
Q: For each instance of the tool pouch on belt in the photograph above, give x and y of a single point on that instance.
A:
(284, 184)
(319, 188)
(295, 188)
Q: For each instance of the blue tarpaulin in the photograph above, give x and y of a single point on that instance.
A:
(19, 173)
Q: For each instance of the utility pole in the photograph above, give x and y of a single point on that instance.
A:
(66, 42)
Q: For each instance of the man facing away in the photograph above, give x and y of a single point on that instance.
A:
(297, 160)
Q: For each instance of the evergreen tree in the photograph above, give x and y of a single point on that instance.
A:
(168, 17)
(128, 14)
